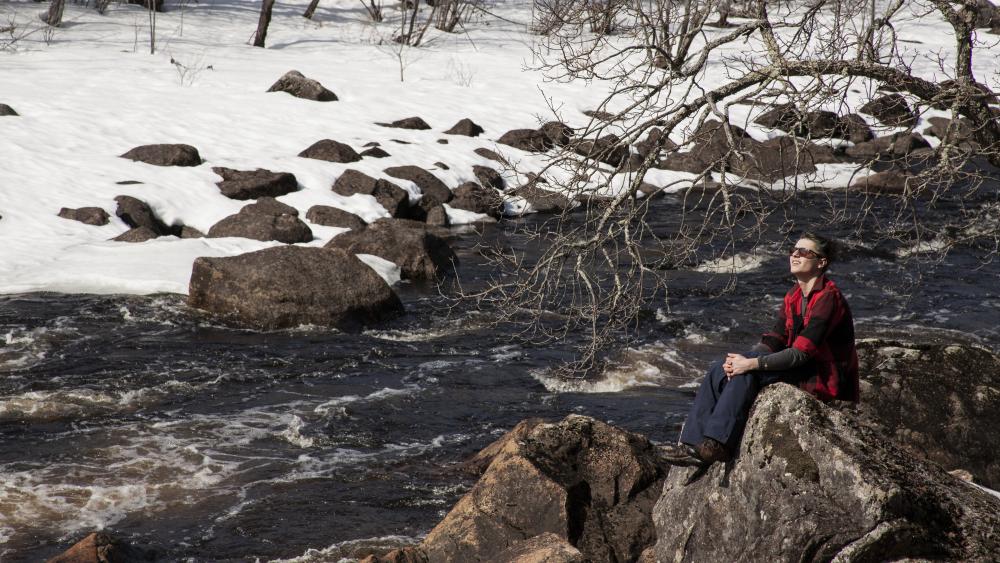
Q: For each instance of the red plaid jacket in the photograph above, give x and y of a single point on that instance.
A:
(825, 334)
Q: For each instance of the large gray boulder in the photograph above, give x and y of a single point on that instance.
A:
(939, 401)
(294, 83)
(812, 483)
(252, 184)
(267, 219)
(288, 286)
(585, 482)
(165, 155)
(417, 250)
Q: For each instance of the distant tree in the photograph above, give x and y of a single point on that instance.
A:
(55, 14)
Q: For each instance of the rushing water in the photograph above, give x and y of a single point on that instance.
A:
(142, 417)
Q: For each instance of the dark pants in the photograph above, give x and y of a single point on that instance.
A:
(721, 405)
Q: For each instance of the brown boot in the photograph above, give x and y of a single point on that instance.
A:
(711, 451)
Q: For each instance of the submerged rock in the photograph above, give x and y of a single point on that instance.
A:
(288, 286)
(812, 483)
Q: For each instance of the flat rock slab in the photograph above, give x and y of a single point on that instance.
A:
(294, 83)
(252, 184)
(331, 151)
(88, 215)
(165, 155)
(289, 286)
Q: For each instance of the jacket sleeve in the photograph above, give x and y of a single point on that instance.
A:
(821, 317)
(776, 338)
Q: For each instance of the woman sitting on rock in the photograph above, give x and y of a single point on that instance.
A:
(811, 346)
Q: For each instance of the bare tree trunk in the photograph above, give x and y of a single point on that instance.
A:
(55, 13)
(308, 14)
(265, 20)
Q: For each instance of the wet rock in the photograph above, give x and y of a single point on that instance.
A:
(288, 286)
(488, 177)
(895, 145)
(100, 547)
(542, 200)
(491, 155)
(89, 215)
(589, 484)
(329, 216)
(267, 219)
(529, 140)
(467, 128)
(375, 152)
(331, 151)
(939, 401)
(433, 189)
(7, 111)
(419, 253)
(136, 213)
(813, 483)
(137, 234)
(252, 184)
(165, 155)
(294, 83)
(543, 548)
(408, 123)
(892, 182)
(891, 109)
(393, 198)
(557, 132)
(504, 447)
(470, 196)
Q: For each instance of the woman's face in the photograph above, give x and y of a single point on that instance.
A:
(805, 259)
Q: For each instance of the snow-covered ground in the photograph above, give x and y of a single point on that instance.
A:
(90, 91)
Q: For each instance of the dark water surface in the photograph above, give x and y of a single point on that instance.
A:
(139, 416)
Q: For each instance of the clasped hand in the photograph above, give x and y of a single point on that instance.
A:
(737, 364)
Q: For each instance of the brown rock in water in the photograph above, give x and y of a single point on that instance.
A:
(393, 198)
(408, 123)
(470, 196)
(331, 151)
(419, 253)
(7, 111)
(529, 140)
(938, 401)
(165, 155)
(100, 547)
(891, 109)
(136, 234)
(252, 184)
(465, 127)
(333, 217)
(433, 189)
(588, 483)
(817, 484)
(89, 215)
(289, 286)
(267, 219)
(136, 213)
(294, 83)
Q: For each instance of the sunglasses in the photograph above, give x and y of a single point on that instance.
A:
(804, 253)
